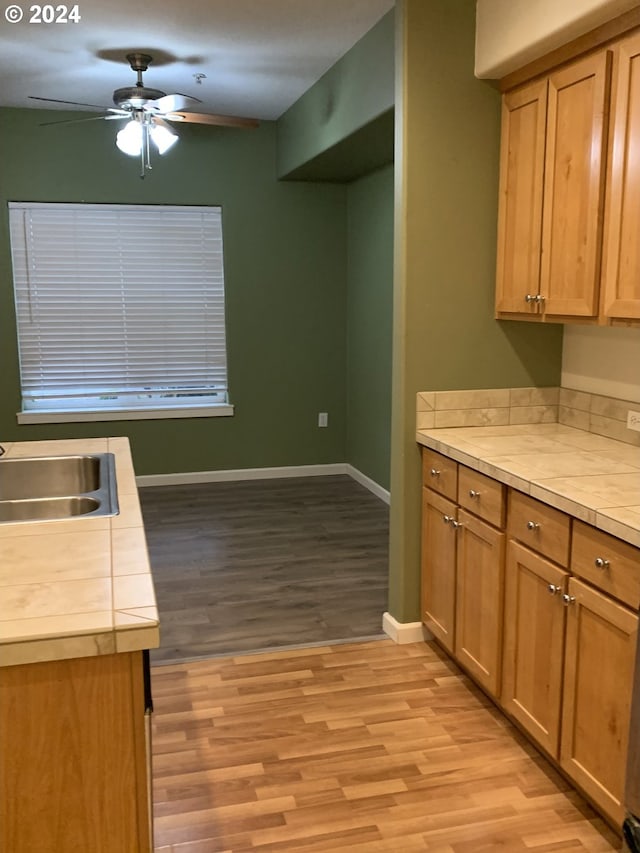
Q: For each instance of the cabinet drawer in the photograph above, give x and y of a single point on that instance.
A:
(440, 473)
(608, 563)
(541, 527)
(481, 495)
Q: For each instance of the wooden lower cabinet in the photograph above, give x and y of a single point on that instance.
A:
(534, 626)
(438, 580)
(73, 770)
(479, 593)
(599, 668)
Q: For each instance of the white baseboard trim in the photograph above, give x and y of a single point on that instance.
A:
(404, 632)
(231, 474)
(180, 479)
(370, 484)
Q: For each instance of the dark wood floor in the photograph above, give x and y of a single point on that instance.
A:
(358, 748)
(264, 564)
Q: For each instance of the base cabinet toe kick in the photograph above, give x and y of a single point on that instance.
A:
(541, 611)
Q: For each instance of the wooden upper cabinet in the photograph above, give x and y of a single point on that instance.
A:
(524, 114)
(575, 162)
(621, 269)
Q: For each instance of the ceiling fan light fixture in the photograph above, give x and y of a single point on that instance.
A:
(129, 139)
(163, 138)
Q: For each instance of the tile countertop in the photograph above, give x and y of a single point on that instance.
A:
(78, 587)
(588, 476)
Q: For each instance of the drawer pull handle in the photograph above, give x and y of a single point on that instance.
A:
(434, 472)
(473, 493)
(568, 599)
(554, 589)
(533, 525)
(601, 563)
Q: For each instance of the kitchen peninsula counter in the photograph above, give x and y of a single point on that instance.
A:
(77, 587)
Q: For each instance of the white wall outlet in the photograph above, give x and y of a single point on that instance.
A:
(633, 420)
(323, 419)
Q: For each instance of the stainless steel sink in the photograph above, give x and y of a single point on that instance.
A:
(42, 488)
(43, 509)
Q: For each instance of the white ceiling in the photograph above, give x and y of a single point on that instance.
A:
(259, 56)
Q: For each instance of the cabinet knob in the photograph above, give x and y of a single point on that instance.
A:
(473, 493)
(456, 524)
(568, 599)
(554, 589)
(533, 525)
(448, 519)
(434, 472)
(530, 297)
(601, 563)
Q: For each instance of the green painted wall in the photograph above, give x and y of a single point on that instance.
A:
(356, 90)
(445, 337)
(285, 262)
(369, 323)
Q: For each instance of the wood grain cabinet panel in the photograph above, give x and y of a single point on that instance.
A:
(621, 269)
(599, 666)
(438, 571)
(440, 473)
(481, 495)
(540, 527)
(574, 186)
(524, 117)
(73, 775)
(607, 563)
(534, 621)
(479, 600)
(553, 168)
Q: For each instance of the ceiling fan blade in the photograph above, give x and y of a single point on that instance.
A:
(210, 118)
(79, 120)
(172, 103)
(73, 103)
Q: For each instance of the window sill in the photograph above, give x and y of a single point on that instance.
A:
(165, 413)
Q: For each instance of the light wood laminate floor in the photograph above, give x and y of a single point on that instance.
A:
(357, 748)
(263, 564)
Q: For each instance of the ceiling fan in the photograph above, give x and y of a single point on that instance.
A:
(148, 112)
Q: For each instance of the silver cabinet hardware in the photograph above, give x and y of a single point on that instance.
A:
(601, 563)
(473, 493)
(434, 472)
(554, 589)
(456, 524)
(447, 519)
(568, 599)
(530, 298)
(533, 525)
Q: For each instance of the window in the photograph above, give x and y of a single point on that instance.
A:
(120, 311)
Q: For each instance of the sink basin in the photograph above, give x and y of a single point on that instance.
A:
(42, 488)
(48, 477)
(43, 509)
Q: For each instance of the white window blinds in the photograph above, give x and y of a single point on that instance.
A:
(119, 306)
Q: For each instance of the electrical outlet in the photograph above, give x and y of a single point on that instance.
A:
(633, 421)
(323, 419)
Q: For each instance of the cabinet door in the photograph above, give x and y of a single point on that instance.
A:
(520, 207)
(599, 665)
(479, 597)
(438, 567)
(621, 275)
(574, 186)
(534, 617)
